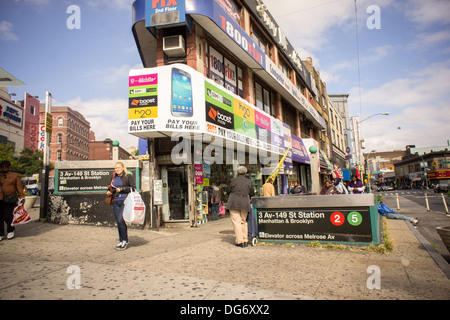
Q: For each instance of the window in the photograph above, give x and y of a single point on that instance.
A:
(59, 155)
(60, 122)
(263, 98)
(59, 138)
(224, 72)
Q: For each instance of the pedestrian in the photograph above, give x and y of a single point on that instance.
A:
(216, 198)
(356, 186)
(297, 189)
(340, 188)
(268, 188)
(11, 194)
(121, 184)
(240, 190)
(387, 212)
(328, 188)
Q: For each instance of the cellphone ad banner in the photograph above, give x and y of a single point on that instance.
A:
(177, 98)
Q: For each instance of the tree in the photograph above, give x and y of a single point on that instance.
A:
(29, 162)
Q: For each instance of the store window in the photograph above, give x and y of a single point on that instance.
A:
(224, 72)
(262, 41)
(289, 115)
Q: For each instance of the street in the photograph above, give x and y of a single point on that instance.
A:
(429, 220)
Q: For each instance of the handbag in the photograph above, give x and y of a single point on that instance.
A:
(9, 198)
(134, 208)
(221, 209)
(20, 215)
(110, 199)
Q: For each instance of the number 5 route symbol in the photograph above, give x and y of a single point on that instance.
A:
(354, 218)
(337, 218)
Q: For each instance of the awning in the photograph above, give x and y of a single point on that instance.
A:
(324, 161)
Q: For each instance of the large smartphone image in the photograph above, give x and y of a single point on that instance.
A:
(181, 105)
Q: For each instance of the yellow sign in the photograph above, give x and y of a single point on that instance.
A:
(142, 113)
(275, 171)
(244, 111)
(48, 122)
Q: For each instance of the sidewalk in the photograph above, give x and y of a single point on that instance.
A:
(203, 264)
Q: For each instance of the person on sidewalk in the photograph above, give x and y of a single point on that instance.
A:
(10, 186)
(216, 198)
(121, 182)
(240, 190)
(296, 189)
(328, 188)
(268, 188)
(387, 212)
(356, 186)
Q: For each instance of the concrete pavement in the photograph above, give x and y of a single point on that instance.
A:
(47, 261)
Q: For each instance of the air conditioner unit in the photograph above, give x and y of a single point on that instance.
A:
(174, 46)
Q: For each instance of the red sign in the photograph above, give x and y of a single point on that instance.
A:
(439, 174)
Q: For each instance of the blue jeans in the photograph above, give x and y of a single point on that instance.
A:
(121, 225)
(215, 211)
(398, 216)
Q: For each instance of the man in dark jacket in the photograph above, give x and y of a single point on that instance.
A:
(240, 190)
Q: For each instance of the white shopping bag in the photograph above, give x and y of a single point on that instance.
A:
(134, 208)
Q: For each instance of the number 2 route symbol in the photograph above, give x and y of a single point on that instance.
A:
(337, 218)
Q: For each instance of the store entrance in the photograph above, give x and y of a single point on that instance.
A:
(175, 193)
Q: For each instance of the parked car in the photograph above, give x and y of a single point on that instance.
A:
(441, 187)
(386, 188)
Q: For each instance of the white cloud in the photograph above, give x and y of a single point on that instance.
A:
(107, 77)
(418, 105)
(427, 13)
(6, 33)
(108, 118)
(429, 40)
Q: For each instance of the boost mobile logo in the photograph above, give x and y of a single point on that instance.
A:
(219, 117)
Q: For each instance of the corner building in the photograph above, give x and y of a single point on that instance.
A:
(221, 87)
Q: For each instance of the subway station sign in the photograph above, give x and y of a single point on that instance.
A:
(338, 218)
(317, 224)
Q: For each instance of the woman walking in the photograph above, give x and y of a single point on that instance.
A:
(121, 185)
(240, 190)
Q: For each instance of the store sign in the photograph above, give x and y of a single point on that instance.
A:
(439, 174)
(11, 113)
(178, 99)
(299, 153)
(164, 12)
(237, 34)
(82, 180)
(315, 224)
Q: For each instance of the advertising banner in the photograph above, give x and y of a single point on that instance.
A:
(164, 12)
(11, 113)
(177, 98)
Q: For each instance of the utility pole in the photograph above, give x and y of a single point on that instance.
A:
(46, 158)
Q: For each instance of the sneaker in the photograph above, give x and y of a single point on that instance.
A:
(415, 222)
(10, 235)
(121, 245)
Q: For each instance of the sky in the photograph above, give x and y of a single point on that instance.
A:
(395, 59)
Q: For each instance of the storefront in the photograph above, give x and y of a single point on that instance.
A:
(210, 99)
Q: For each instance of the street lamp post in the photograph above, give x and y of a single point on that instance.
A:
(358, 122)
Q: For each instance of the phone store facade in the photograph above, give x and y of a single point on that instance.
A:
(210, 97)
